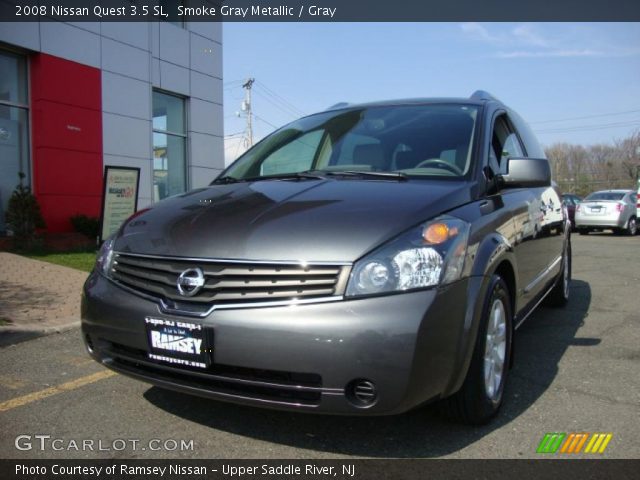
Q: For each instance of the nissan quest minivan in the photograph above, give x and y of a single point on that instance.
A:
(364, 260)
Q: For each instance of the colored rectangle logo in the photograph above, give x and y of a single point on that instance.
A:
(574, 443)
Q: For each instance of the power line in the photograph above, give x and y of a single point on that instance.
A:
(235, 134)
(265, 121)
(585, 117)
(283, 100)
(237, 150)
(280, 97)
(585, 128)
(278, 106)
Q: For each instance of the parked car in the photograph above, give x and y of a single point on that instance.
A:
(608, 210)
(570, 201)
(364, 260)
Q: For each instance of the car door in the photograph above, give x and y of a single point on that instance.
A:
(537, 214)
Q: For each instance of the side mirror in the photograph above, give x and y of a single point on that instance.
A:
(526, 172)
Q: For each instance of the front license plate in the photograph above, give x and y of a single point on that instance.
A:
(177, 342)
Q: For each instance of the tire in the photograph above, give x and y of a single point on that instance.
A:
(559, 295)
(583, 231)
(478, 401)
(632, 227)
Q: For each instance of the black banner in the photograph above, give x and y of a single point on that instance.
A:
(120, 469)
(318, 10)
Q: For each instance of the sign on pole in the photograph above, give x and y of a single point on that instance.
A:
(119, 197)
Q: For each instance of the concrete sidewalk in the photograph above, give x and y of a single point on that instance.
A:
(37, 298)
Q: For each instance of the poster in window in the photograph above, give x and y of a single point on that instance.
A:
(119, 197)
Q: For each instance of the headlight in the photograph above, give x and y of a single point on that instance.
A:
(105, 257)
(431, 254)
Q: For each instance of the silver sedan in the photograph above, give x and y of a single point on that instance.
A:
(608, 209)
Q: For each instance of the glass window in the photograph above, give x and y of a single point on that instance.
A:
(296, 156)
(431, 140)
(169, 146)
(14, 127)
(13, 79)
(512, 148)
(504, 144)
(613, 196)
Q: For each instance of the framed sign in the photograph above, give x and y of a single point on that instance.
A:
(119, 197)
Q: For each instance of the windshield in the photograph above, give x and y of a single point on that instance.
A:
(413, 140)
(605, 196)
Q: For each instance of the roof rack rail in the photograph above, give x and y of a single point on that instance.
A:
(338, 105)
(482, 95)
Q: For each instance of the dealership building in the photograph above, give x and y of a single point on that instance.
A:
(76, 97)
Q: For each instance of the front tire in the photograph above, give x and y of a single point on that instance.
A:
(583, 231)
(480, 396)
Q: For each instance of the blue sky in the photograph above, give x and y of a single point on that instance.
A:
(545, 71)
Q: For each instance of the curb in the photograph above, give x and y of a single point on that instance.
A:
(13, 334)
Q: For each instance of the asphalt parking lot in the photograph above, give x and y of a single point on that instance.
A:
(576, 370)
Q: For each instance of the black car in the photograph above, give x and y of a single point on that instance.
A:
(364, 260)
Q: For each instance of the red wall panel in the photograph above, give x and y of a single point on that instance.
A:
(66, 127)
(67, 139)
(63, 81)
(54, 167)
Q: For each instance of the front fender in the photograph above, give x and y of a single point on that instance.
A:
(492, 253)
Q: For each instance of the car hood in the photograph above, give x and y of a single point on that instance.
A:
(287, 220)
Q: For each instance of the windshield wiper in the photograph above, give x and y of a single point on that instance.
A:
(307, 175)
(363, 173)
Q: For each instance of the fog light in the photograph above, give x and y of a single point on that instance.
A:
(362, 393)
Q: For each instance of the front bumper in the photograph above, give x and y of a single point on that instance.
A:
(412, 346)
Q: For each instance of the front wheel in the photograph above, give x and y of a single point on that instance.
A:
(481, 394)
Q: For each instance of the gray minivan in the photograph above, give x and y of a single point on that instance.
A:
(367, 259)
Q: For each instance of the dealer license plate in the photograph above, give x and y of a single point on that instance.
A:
(177, 342)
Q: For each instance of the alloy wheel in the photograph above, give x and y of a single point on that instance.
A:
(495, 350)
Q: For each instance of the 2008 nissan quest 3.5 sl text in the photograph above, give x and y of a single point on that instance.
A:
(363, 260)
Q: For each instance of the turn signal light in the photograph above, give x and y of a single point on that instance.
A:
(438, 233)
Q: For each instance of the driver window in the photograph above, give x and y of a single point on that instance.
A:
(504, 144)
(512, 147)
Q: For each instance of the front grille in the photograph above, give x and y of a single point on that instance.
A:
(293, 388)
(228, 283)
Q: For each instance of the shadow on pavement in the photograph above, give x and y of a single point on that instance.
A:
(539, 346)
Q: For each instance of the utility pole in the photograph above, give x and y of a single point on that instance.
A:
(246, 107)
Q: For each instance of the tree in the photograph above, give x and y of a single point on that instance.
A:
(24, 216)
